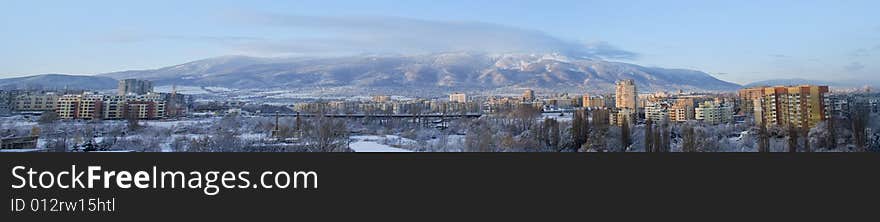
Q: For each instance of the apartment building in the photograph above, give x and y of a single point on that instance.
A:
(134, 86)
(713, 112)
(458, 98)
(35, 102)
(89, 106)
(797, 106)
(626, 96)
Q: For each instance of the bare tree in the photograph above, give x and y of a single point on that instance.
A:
(649, 135)
(859, 118)
(132, 120)
(580, 128)
(665, 137)
(763, 138)
(625, 136)
(805, 132)
(792, 139)
(689, 140)
(832, 129)
(553, 134)
(479, 137)
(598, 131)
(328, 135)
(48, 117)
(525, 116)
(179, 144)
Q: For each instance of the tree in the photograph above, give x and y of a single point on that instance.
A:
(48, 117)
(792, 139)
(298, 124)
(328, 135)
(598, 131)
(525, 115)
(859, 122)
(132, 120)
(832, 130)
(625, 136)
(663, 144)
(553, 137)
(479, 137)
(689, 143)
(580, 128)
(649, 136)
(805, 131)
(763, 138)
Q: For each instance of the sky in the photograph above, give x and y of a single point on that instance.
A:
(738, 41)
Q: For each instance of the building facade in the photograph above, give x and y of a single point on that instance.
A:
(134, 86)
(626, 96)
(528, 95)
(381, 99)
(595, 102)
(796, 106)
(712, 112)
(92, 106)
(36, 102)
(458, 98)
(747, 98)
(657, 112)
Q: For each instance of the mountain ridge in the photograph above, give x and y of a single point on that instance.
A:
(451, 70)
(58, 81)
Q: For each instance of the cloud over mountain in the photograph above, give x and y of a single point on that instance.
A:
(397, 35)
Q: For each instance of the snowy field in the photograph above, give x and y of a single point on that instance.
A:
(372, 144)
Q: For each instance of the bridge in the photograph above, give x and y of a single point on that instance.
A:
(361, 115)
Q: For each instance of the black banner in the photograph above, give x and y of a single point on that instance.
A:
(464, 186)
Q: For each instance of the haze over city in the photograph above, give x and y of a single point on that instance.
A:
(735, 41)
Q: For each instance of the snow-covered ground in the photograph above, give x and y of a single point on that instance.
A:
(558, 116)
(371, 144)
(188, 90)
(177, 123)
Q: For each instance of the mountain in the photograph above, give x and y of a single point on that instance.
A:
(788, 82)
(58, 81)
(797, 81)
(458, 70)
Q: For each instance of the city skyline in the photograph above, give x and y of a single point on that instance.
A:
(732, 41)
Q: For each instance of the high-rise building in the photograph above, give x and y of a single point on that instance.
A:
(528, 95)
(176, 104)
(36, 102)
(595, 102)
(712, 112)
(626, 96)
(657, 111)
(84, 106)
(797, 106)
(681, 110)
(748, 96)
(381, 99)
(458, 98)
(92, 106)
(134, 86)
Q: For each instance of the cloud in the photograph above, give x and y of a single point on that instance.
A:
(369, 34)
(780, 56)
(133, 36)
(860, 53)
(854, 67)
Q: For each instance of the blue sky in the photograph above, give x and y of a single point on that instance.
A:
(738, 41)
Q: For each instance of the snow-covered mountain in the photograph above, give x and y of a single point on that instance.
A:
(58, 81)
(455, 70)
(798, 81)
